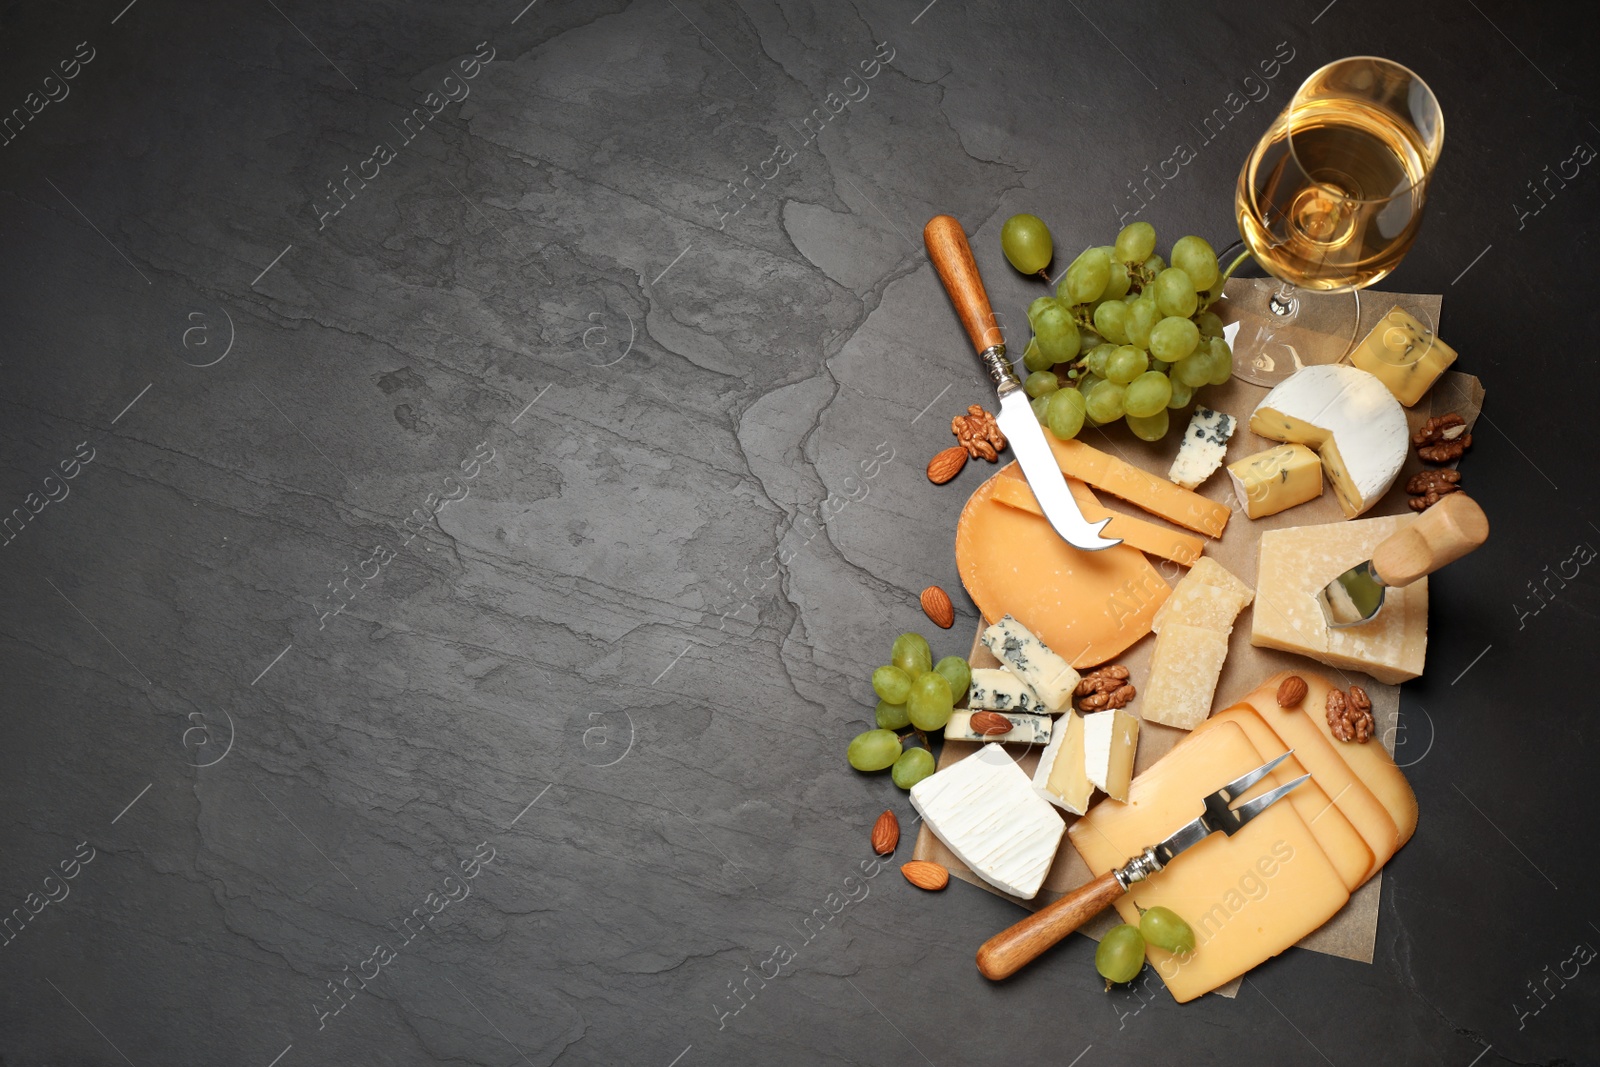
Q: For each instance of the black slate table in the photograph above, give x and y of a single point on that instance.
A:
(495, 437)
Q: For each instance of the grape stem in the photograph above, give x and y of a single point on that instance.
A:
(1231, 268)
(1045, 274)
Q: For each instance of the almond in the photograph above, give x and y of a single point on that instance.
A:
(885, 834)
(989, 722)
(925, 875)
(946, 465)
(936, 604)
(1292, 691)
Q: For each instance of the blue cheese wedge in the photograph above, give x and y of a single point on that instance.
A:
(985, 811)
(1025, 729)
(993, 689)
(1050, 676)
(1205, 446)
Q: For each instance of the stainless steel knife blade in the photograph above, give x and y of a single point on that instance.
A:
(1016, 420)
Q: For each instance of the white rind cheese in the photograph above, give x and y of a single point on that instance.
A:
(985, 811)
(1050, 676)
(993, 689)
(1205, 446)
(1110, 739)
(1060, 776)
(1025, 729)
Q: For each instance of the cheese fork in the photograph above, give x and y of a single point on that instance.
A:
(1009, 951)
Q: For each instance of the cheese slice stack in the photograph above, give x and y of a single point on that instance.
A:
(1192, 630)
(1350, 419)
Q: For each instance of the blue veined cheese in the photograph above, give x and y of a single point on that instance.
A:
(984, 809)
(1025, 729)
(1050, 676)
(1205, 445)
(993, 689)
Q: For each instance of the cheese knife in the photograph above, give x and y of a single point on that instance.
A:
(1447, 531)
(1009, 951)
(952, 258)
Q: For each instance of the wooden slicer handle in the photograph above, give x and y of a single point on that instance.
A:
(1007, 952)
(1447, 531)
(952, 258)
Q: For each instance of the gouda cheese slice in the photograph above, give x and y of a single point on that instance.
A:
(1137, 486)
(1136, 533)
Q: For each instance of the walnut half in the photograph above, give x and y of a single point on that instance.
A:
(978, 433)
(1442, 438)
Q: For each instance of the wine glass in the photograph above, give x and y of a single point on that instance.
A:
(1328, 202)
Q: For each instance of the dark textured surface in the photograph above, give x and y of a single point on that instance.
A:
(635, 620)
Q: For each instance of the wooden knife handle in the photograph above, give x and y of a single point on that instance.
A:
(952, 258)
(1447, 531)
(1007, 952)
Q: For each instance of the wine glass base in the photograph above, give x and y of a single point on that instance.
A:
(1269, 346)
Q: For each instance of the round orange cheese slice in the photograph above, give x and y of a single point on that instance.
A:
(1087, 606)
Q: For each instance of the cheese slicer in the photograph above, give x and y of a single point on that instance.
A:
(1009, 951)
(1447, 531)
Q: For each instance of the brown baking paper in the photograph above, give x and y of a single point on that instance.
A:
(1352, 933)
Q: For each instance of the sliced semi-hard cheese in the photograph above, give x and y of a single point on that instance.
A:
(1136, 533)
(1404, 355)
(1137, 486)
(1277, 479)
(1209, 596)
(1184, 669)
(993, 689)
(1046, 673)
(1110, 739)
(1205, 445)
(1350, 418)
(1247, 897)
(984, 809)
(1299, 561)
(1060, 776)
(1025, 729)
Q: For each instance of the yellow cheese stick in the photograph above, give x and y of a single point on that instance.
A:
(1145, 536)
(1156, 495)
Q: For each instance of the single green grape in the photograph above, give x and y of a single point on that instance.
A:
(1126, 364)
(1222, 367)
(1120, 281)
(1165, 928)
(1103, 403)
(1034, 359)
(1181, 395)
(1057, 334)
(1041, 407)
(1208, 324)
(891, 683)
(1038, 305)
(1095, 361)
(930, 701)
(892, 716)
(1160, 365)
(912, 655)
(1194, 371)
(1086, 383)
(1066, 413)
(1088, 276)
(1155, 265)
(1173, 339)
(1111, 321)
(1120, 956)
(1088, 339)
(1147, 394)
(957, 673)
(873, 750)
(1025, 240)
(1143, 314)
(1175, 294)
(1135, 242)
(1195, 258)
(1041, 383)
(913, 766)
(1150, 428)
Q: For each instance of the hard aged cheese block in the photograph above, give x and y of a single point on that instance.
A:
(1247, 897)
(1060, 776)
(993, 689)
(1136, 486)
(1277, 479)
(1088, 606)
(1136, 533)
(1209, 596)
(985, 811)
(1297, 562)
(1404, 355)
(1110, 739)
(1048, 674)
(1205, 445)
(1026, 729)
(1350, 418)
(1184, 669)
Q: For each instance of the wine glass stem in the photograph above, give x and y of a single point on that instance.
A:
(1283, 302)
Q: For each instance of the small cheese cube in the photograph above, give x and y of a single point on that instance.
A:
(1060, 776)
(1048, 674)
(1025, 729)
(993, 689)
(1404, 355)
(1183, 675)
(1109, 741)
(1277, 479)
(985, 811)
(1205, 444)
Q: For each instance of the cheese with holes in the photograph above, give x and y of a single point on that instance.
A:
(1046, 673)
(1353, 422)
(1136, 533)
(1110, 739)
(1209, 596)
(1025, 729)
(993, 689)
(1404, 355)
(984, 809)
(1184, 669)
(1205, 445)
(1297, 562)
(1060, 776)
(1137, 486)
(1276, 480)
(1247, 897)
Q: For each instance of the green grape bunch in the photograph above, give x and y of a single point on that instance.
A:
(1128, 334)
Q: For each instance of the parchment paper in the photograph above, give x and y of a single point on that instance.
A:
(1352, 933)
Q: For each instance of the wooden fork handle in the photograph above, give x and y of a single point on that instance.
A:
(1007, 952)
